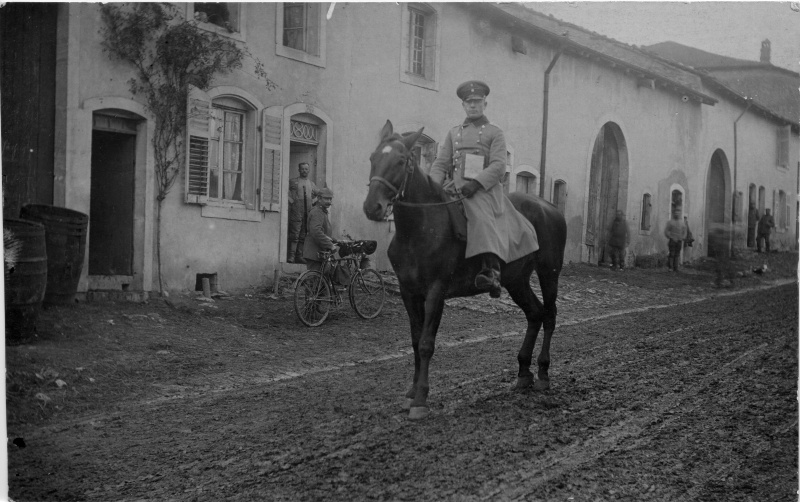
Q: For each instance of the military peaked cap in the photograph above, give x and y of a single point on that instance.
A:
(324, 192)
(472, 89)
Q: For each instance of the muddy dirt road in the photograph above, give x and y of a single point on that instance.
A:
(689, 402)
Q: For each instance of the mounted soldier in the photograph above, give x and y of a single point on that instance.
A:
(472, 159)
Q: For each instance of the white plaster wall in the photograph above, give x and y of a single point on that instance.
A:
(668, 141)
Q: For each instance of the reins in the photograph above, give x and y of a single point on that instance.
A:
(400, 192)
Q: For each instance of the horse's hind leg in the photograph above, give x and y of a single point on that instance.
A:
(523, 295)
(548, 281)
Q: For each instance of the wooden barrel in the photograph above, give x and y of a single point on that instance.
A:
(65, 235)
(25, 276)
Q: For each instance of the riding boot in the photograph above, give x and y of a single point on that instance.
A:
(488, 279)
(292, 258)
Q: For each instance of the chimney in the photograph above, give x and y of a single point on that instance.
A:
(765, 51)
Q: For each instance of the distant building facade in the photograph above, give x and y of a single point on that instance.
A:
(626, 129)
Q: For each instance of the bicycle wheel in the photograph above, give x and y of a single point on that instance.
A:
(312, 298)
(367, 293)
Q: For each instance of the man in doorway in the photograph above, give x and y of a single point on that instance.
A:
(752, 223)
(301, 197)
(472, 159)
(319, 230)
(764, 229)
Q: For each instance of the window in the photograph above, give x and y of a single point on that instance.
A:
(300, 32)
(419, 56)
(783, 146)
(560, 195)
(762, 200)
(676, 202)
(781, 211)
(425, 151)
(222, 156)
(526, 183)
(647, 207)
(224, 15)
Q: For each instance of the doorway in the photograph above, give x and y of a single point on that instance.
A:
(111, 209)
(716, 198)
(606, 195)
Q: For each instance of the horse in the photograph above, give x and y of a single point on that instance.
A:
(429, 260)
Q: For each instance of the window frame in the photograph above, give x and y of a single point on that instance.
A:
(297, 54)
(238, 35)
(646, 218)
(431, 45)
(561, 203)
(204, 108)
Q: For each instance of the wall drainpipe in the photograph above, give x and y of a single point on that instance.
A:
(542, 178)
(736, 170)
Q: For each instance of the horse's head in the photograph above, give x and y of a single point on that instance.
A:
(391, 164)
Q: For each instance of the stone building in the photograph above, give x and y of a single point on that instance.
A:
(592, 125)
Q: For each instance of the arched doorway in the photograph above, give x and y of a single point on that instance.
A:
(607, 188)
(717, 197)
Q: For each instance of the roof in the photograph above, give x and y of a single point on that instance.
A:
(583, 43)
(770, 87)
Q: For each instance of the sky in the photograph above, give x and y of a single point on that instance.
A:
(733, 29)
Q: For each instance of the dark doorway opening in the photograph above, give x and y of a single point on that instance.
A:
(112, 203)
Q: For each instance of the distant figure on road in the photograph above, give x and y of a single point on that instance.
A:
(764, 228)
(752, 224)
(618, 239)
(687, 243)
(719, 246)
(675, 232)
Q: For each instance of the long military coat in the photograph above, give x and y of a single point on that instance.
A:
(319, 234)
(493, 224)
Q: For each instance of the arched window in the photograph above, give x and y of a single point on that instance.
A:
(560, 195)
(526, 183)
(762, 200)
(647, 206)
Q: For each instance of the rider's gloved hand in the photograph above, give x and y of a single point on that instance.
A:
(450, 187)
(469, 189)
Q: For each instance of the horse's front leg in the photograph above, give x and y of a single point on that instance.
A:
(415, 307)
(434, 306)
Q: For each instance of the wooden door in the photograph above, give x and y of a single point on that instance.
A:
(111, 204)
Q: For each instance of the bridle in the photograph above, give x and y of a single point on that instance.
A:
(399, 192)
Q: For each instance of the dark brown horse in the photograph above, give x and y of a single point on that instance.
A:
(430, 265)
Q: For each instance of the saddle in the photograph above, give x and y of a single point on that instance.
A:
(458, 218)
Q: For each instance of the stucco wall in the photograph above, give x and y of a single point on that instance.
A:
(668, 141)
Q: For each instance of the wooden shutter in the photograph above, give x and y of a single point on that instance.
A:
(200, 128)
(271, 129)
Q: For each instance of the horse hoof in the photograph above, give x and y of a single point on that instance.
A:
(407, 403)
(524, 382)
(418, 412)
(541, 385)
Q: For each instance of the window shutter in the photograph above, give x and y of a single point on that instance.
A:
(199, 131)
(271, 129)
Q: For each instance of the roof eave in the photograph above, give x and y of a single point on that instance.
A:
(575, 48)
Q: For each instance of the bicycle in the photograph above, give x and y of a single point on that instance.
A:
(315, 292)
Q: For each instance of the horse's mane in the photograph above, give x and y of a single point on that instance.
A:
(436, 188)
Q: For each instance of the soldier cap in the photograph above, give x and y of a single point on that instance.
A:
(324, 192)
(472, 89)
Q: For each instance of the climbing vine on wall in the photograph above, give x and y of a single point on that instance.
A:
(169, 53)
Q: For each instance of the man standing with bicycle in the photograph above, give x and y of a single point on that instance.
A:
(319, 230)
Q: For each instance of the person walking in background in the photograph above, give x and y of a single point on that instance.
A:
(752, 224)
(618, 239)
(675, 232)
(301, 197)
(719, 246)
(687, 243)
(764, 228)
